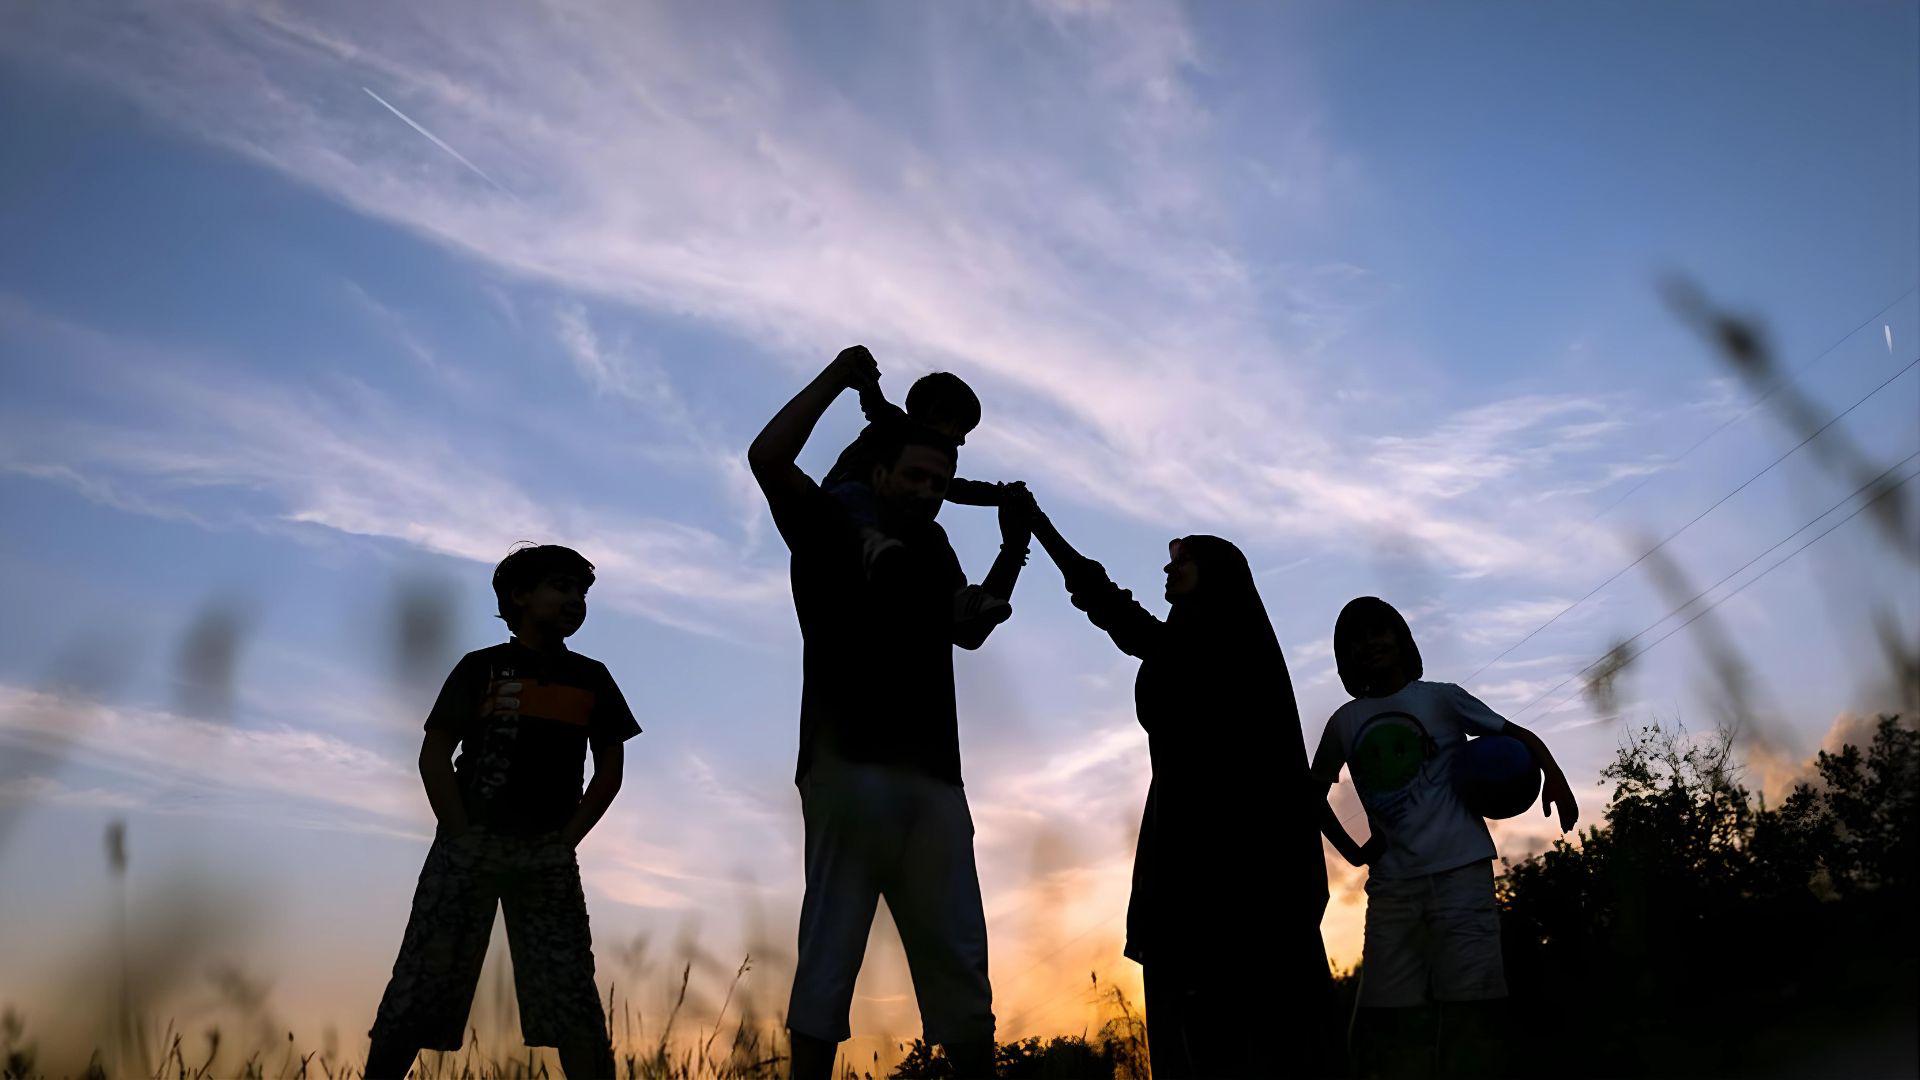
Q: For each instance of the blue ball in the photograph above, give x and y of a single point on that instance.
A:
(1495, 776)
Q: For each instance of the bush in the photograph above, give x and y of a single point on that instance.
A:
(1699, 931)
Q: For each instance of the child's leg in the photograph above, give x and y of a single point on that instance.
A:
(1394, 1043)
(552, 947)
(587, 1058)
(431, 991)
(1473, 1039)
(1468, 972)
(1393, 1030)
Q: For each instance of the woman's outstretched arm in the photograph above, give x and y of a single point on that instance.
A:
(1108, 606)
(1061, 552)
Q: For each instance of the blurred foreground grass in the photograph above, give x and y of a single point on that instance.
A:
(745, 1049)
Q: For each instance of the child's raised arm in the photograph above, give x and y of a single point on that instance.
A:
(980, 492)
(772, 455)
(874, 404)
(1555, 790)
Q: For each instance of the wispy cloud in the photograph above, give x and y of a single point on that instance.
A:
(343, 458)
(689, 163)
(149, 746)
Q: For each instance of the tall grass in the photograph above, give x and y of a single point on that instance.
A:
(736, 1045)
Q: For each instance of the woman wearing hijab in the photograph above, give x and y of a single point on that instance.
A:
(1229, 883)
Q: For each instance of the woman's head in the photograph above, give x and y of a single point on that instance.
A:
(1218, 615)
(1183, 571)
(1207, 568)
(1373, 648)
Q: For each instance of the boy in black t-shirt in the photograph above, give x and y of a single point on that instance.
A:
(511, 811)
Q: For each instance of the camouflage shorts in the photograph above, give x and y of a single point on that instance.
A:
(537, 881)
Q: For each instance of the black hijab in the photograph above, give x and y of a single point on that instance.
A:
(1225, 604)
(1224, 664)
(1229, 761)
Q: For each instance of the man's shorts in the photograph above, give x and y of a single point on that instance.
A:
(1432, 938)
(537, 881)
(874, 831)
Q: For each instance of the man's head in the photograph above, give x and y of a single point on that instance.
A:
(543, 589)
(944, 403)
(1373, 648)
(911, 467)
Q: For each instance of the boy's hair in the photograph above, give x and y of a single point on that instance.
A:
(891, 438)
(527, 567)
(1360, 618)
(942, 396)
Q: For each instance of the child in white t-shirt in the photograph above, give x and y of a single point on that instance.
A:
(1432, 933)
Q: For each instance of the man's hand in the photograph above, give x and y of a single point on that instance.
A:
(854, 368)
(1556, 791)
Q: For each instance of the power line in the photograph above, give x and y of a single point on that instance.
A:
(1737, 571)
(1616, 575)
(1069, 943)
(1779, 384)
(1048, 1005)
(1757, 577)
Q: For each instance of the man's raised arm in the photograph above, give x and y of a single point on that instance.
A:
(982, 607)
(774, 450)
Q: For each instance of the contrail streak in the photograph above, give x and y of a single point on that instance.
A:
(457, 156)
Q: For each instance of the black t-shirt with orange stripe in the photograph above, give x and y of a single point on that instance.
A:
(522, 770)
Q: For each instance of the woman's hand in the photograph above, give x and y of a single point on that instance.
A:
(1070, 562)
(1017, 510)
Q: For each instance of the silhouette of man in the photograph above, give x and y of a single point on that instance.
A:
(879, 765)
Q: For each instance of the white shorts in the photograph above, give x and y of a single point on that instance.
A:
(875, 831)
(1435, 937)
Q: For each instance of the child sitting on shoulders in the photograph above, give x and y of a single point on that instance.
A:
(940, 402)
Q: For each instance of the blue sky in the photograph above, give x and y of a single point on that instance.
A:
(1372, 291)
